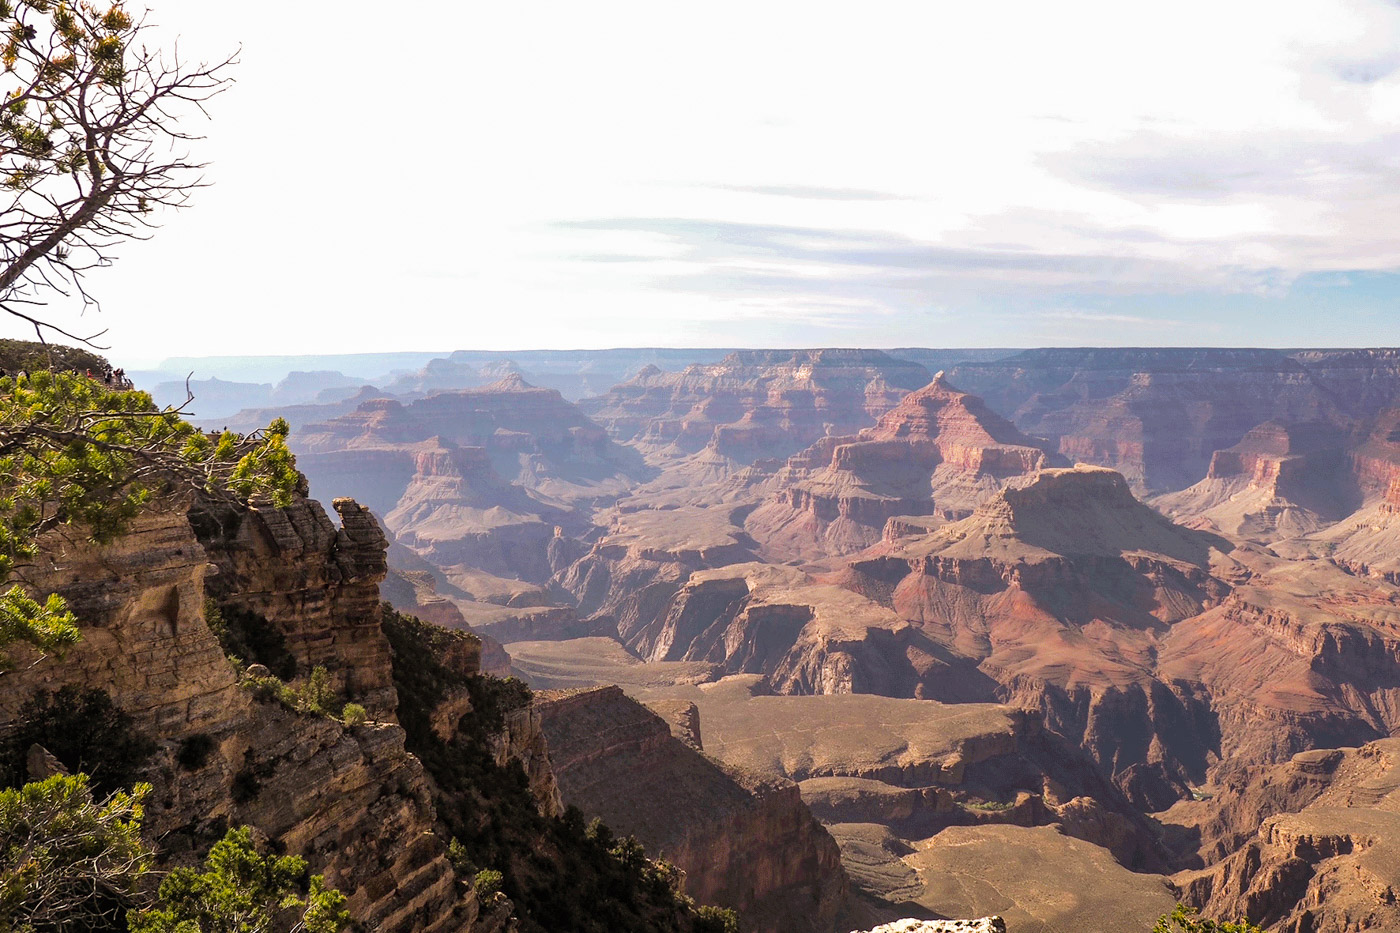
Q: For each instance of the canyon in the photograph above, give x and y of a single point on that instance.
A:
(853, 639)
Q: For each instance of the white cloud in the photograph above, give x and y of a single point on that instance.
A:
(433, 176)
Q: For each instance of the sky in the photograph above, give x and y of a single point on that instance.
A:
(504, 176)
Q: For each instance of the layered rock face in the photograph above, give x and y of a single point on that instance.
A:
(940, 452)
(942, 809)
(1059, 591)
(1155, 415)
(476, 482)
(352, 801)
(802, 635)
(317, 585)
(1318, 848)
(742, 839)
(1300, 655)
(532, 436)
(755, 403)
(457, 511)
(630, 576)
(1279, 481)
(916, 767)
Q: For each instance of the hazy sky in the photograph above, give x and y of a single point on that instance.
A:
(949, 174)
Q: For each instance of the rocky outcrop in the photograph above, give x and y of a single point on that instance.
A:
(1156, 415)
(1279, 481)
(316, 585)
(917, 767)
(940, 452)
(533, 438)
(351, 800)
(477, 482)
(1017, 590)
(743, 840)
(804, 636)
(457, 511)
(1323, 855)
(630, 576)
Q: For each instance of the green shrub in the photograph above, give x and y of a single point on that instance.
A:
(487, 884)
(1188, 920)
(270, 689)
(457, 855)
(83, 454)
(240, 891)
(353, 714)
(68, 863)
(716, 920)
(315, 695)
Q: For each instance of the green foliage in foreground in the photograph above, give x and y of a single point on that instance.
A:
(75, 451)
(72, 865)
(1188, 920)
(243, 891)
(67, 863)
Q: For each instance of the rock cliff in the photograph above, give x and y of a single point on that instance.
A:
(1319, 836)
(742, 839)
(314, 584)
(1155, 414)
(1279, 481)
(351, 800)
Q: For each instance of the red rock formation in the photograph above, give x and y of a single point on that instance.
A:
(457, 511)
(754, 403)
(631, 574)
(1155, 415)
(743, 840)
(533, 437)
(476, 482)
(1059, 590)
(940, 452)
(1322, 855)
(1279, 481)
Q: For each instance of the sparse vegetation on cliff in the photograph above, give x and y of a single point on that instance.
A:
(70, 864)
(241, 890)
(66, 862)
(561, 874)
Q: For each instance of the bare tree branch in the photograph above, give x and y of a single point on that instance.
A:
(91, 144)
